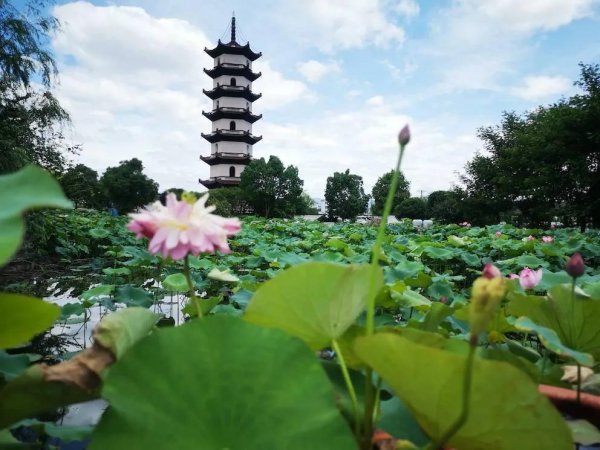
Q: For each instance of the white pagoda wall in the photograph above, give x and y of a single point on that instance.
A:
(222, 170)
(231, 147)
(226, 80)
(232, 102)
(223, 124)
(233, 59)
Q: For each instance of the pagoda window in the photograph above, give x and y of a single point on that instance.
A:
(232, 125)
(233, 82)
(232, 171)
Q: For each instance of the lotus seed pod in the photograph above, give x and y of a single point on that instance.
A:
(486, 295)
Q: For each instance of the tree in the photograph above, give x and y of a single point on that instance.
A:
(543, 164)
(81, 185)
(126, 187)
(307, 205)
(271, 189)
(228, 201)
(445, 206)
(31, 118)
(345, 196)
(381, 188)
(413, 208)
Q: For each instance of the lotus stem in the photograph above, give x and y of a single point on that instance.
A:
(192, 290)
(349, 386)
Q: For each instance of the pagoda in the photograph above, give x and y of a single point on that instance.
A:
(231, 139)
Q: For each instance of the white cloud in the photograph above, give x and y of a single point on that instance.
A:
(133, 86)
(532, 15)
(474, 43)
(314, 70)
(407, 8)
(542, 87)
(376, 100)
(365, 141)
(338, 24)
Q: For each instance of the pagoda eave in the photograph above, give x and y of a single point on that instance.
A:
(232, 113)
(228, 91)
(232, 136)
(233, 48)
(218, 182)
(226, 158)
(233, 70)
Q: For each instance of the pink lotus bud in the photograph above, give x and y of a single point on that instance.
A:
(530, 238)
(443, 300)
(491, 271)
(404, 135)
(498, 233)
(547, 239)
(528, 278)
(575, 266)
(513, 276)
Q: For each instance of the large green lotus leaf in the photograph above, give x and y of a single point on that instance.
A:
(220, 383)
(576, 324)
(30, 187)
(316, 302)
(506, 410)
(22, 317)
(44, 388)
(133, 296)
(552, 342)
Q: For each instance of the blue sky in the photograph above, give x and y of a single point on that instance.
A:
(340, 77)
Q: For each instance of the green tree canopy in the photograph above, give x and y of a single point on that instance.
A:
(445, 206)
(272, 189)
(381, 188)
(80, 183)
(31, 118)
(345, 196)
(126, 187)
(307, 205)
(413, 208)
(543, 164)
(229, 201)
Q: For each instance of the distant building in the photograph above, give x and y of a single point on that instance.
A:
(231, 138)
(320, 205)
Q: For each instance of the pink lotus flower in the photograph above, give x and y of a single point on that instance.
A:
(547, 239)
(498, 233)
(180, 228)
(528, 278)
(491, 271)
(465, 224)
(513, 276)
(530, 238)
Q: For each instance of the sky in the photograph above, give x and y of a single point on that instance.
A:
(339, 79)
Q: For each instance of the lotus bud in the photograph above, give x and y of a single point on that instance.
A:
(575, 266)
(486, 295)
(491, 271)
(404, 136)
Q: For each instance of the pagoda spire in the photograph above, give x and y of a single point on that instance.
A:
(233, 27)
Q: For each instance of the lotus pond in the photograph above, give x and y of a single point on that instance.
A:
(274, 346)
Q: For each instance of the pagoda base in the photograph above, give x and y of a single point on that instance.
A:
(219, 182)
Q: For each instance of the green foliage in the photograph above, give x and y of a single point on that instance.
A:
(316, 302)
(429, 380)
(23, 317)
(307, 205)
(412, 208)
(229, 201)
(380, 192)
(345, 195)
(271, 189)
(29, 188)
(30, 117)
(126, 187)
(445, 206)
(82, 187)
(541, 165)
(223, 384)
